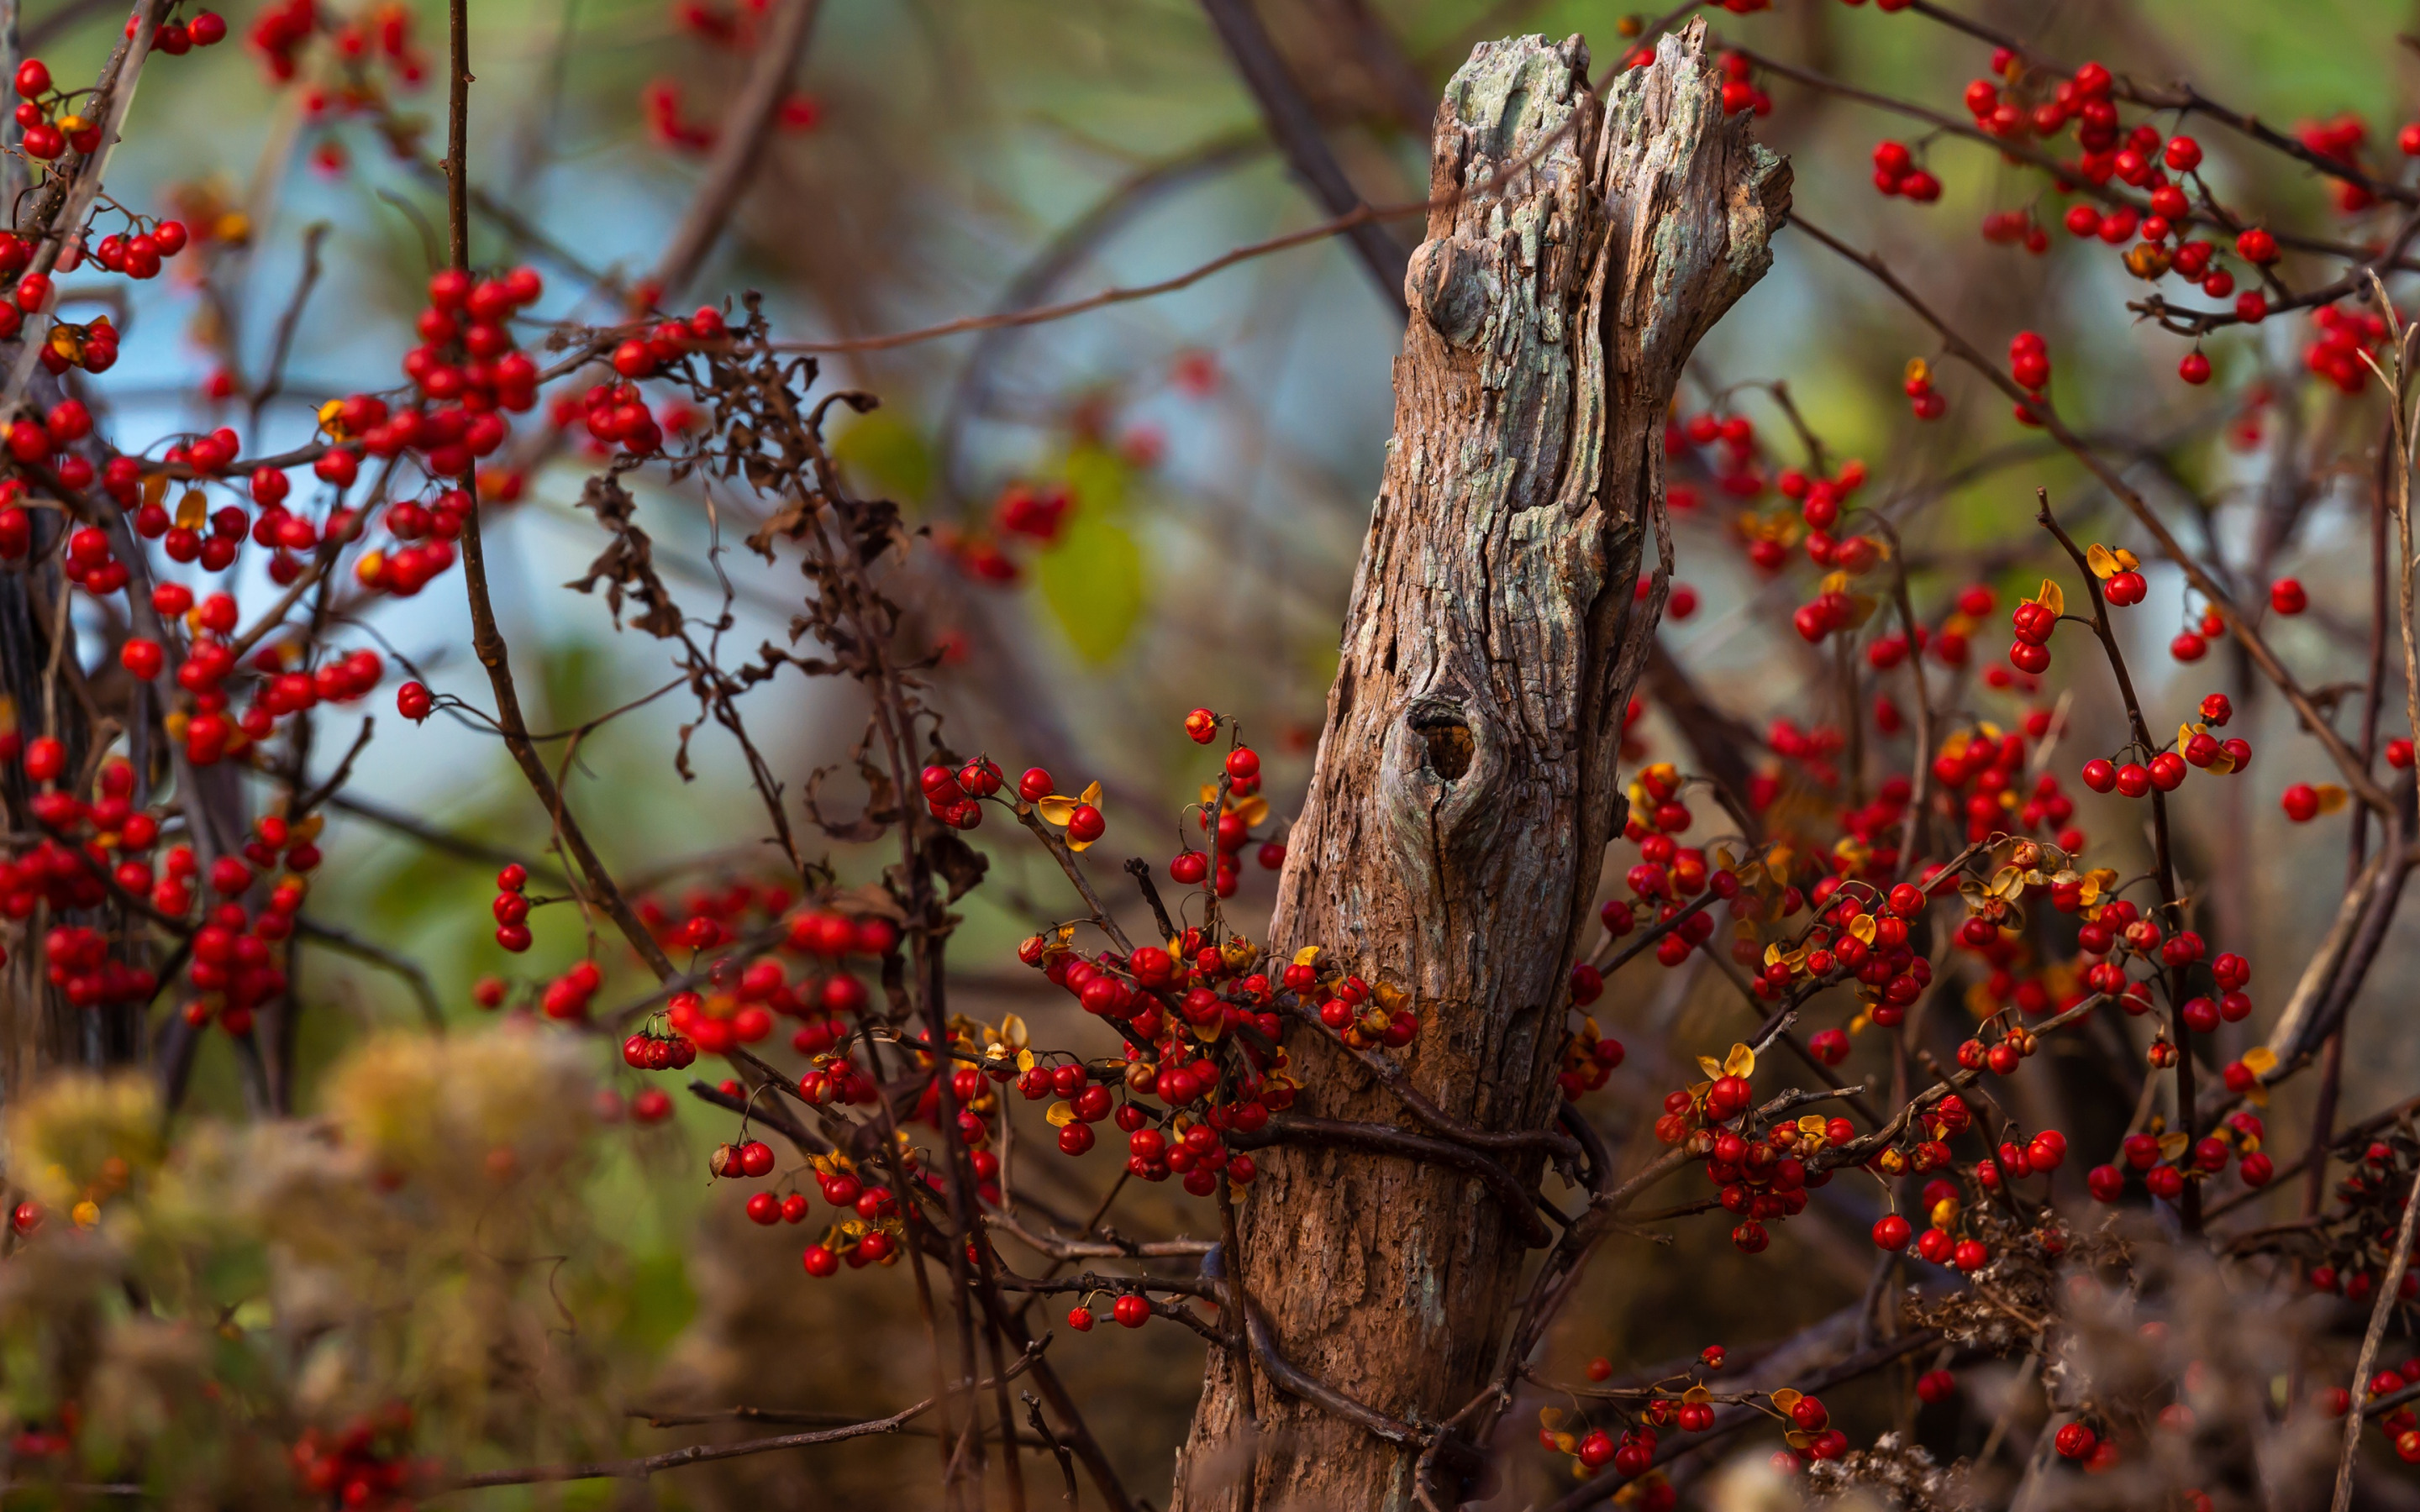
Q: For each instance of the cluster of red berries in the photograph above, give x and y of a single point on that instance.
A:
(279, 32)
(467, 369)
(1176, 1009)
(1590, 1056)
(424, 536)
(2016, 229)
(44, 137)
(1853, 940)
(868, 1234)
(92, 347)
(1192, 868)
(1724, 446)
(2029, 365)
(1924, 401)
(1130, 1310)
(2343, 336)
(954, 797)
(94, 846)
(1762, 1181)
(568, 997)
(1740, 91)
(139, 255)
(512, 908)
(78, 963)
(2167, 1163)
(2341, 140)
(2022, 101)
(1028, 512)
(661, 107)
(1897, 174)
(1688, 1407)
(2166, 769)
(234, 968)
(707, 916)
(1666, 873)
(2357, 1231)
(365, 1467)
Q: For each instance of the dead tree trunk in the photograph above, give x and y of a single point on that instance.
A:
(1466, 786)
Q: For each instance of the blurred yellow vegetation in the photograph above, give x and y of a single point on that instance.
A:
(425, 1240)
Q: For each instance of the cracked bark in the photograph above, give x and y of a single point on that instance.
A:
(1465, 784)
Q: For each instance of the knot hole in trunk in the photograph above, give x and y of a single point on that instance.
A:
(1448, 738)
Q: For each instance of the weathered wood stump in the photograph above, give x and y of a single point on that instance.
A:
(1466, 786)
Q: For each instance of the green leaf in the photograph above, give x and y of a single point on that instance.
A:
(1097, 479)
(1093, 582)
(884, 453)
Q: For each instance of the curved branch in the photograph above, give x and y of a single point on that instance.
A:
(1417, 1103)
(1295, 1128)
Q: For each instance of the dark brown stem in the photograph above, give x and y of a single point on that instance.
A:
(457, 133)
(2164, 857)
(488, 643)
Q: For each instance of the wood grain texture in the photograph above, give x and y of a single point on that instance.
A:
(1466, 786)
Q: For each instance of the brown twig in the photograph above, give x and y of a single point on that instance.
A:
(1295, 130)
(738, 148)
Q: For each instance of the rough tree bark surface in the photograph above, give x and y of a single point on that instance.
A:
(1465, 784)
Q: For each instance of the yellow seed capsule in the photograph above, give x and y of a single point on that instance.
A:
(1944, 1212)
(85, 1213)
